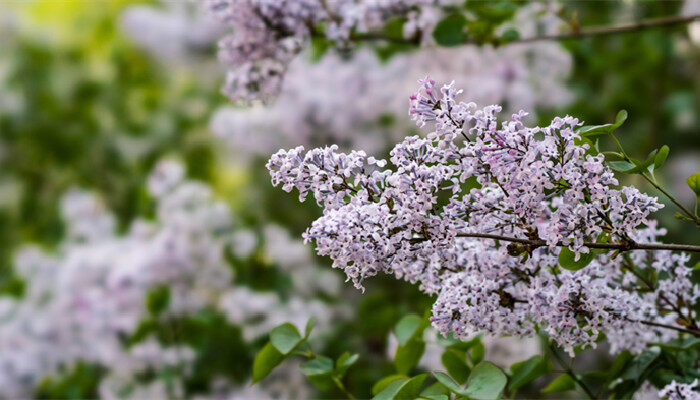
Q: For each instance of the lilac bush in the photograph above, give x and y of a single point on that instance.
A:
(475, 212)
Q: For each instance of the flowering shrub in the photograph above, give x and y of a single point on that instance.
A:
(515, 230)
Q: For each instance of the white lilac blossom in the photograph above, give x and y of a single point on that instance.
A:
(680, 391)
(84, 299)
(267, 34)
(348, 100)
(473, 175)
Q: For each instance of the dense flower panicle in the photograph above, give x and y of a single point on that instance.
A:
(84, 300)
(476, 175)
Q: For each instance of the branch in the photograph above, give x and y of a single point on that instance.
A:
(687, 212)
(694, 332)
(603, 30)
(615, 29)
(610, 246)
(627, 265)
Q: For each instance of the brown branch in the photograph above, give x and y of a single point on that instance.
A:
(603, 30)
(615, 29)
(534, 243)
(692, 331)
(627, 265)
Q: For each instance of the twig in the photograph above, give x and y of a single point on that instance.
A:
(627, 265)
(583, 33)
(694, 332)
(342, 388)
(534, 243)
(687, 212)
(615, 29)
(571, 373)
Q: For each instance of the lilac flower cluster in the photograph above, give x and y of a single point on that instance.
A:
(474, 176)
(84, 299)
(310, 111)
(267, 34)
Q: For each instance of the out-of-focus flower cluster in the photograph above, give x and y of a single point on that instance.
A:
(473, 175)
(267, 34)
(84, 302)
(309, 110)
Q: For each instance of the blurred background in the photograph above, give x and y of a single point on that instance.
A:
(143, 252)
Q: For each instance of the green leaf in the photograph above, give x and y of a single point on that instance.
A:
(394, 28)
(567, 259)
(434, 397)
(619, 364)
(319, 371)
(476, 353)
(495, 12)
(265, 361)
(435, 389)
(408, 356)
(309, 326)
(385, 52)
(408, 328)
(400, 389)
(510, 35)
(285, 338)
(319, 47)
(317, 366)
(457, 344)
(693, 182)
(562, 384)
(620, 166)
(596, 130)
(620, 118)
(450, 30)
(449, 383)
(661, 156)
(456, 365)
(344, 362)
(486, 382)
(643, 166)
(158, 299)
(680, 344)
(524, 372)
(637, 368)
(384, 382)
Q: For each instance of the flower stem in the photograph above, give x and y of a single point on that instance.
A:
(687, 212)
(342, 388)
(571, 373)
